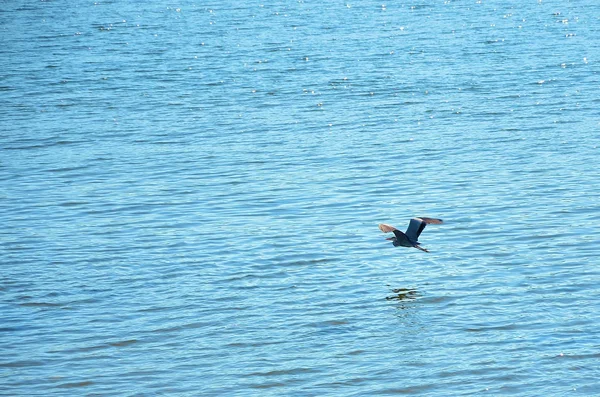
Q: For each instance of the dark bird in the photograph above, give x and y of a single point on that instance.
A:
(410, 237)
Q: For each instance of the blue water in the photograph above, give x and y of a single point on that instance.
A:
(190, 194)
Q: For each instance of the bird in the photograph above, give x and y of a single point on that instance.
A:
(410, 237)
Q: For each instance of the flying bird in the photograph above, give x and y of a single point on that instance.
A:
(410, 237)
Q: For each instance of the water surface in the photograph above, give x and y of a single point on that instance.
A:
(190, 196)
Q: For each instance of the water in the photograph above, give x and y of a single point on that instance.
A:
(190, 197)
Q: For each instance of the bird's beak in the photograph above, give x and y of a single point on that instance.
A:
(389, 238)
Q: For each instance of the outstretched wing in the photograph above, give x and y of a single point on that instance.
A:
(416, 226)
(434, 221)
(386, 228)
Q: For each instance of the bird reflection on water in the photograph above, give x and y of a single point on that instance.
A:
(405, 303)
(403, 295)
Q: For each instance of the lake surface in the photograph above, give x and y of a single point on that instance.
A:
(190, 194)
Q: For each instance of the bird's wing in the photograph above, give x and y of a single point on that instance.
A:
(386, 228)
(431, 220)
(416, 226)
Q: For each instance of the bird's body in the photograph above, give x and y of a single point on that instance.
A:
(411, 236)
